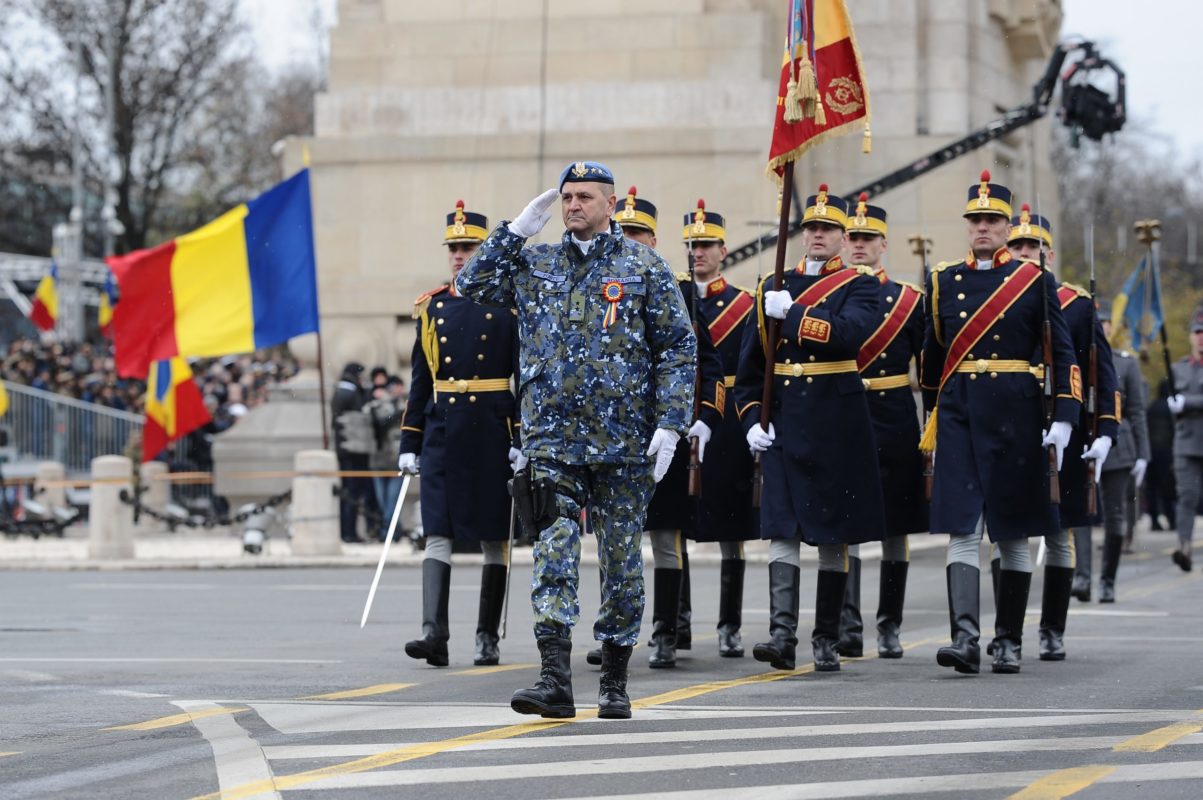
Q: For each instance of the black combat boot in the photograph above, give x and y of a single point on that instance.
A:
(995, 568)
(685, 612)
(1054, 608)
(436, 589)
(730, 607)
(612, 700)
(851, 642)
(551, 696)
(1112, 547)
(488, 619)
(890, 596)
(963, 654)
(784, 583)
(1081, 582)
(665, 605)
(829, 600)
(1013, 589)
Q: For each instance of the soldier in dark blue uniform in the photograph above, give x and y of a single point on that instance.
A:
(673, 512)
(726, 514)
(818, 457)
(984, 323)
(885, 366)
(461, 422)
(1029, 234)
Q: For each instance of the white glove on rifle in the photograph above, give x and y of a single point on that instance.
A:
(535, 215)
(701, 432)
(517, 460)
(776, 304)
(663, 448)
(758, 440)
(1058, 436)
(1176, 403)
(408, 463)
(1138, 471)
(1098, 450)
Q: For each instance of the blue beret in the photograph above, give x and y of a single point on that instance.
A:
(586, 171)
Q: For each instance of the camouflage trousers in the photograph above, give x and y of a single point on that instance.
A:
(616, 496)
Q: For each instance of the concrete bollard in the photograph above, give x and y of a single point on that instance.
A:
(156, 496)
(110, 521)
(49, 472)
(315, 505)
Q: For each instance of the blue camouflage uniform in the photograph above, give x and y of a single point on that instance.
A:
(590, 398)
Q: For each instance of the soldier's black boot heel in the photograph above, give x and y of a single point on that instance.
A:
(685, 610)
(829, 603)
(1054, 608)
(730, 607)
(1112, 547)
(891, 595)
(551, 696)
(436, 589)
(612, 699)
(665, 606)
(784, 583)
(963, 654)
(852, 628)
(1013, 589)
(488, 620)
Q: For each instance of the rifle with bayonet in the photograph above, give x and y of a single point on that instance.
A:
(691, 303)
(921, 246)
(1092, 380)
(1048, 394)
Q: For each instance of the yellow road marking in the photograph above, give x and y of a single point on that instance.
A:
(1062, 783)
(1153, 741)
(367, 691)
(491, 670)
(11, 753)
(175, 719)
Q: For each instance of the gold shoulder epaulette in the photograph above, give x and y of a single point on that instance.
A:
(1078, 289)
(909, 285)
(945, 265)
(423, 299)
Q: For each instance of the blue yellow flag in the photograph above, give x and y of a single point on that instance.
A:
(174, 406)
(108, 299)
(1138, 304)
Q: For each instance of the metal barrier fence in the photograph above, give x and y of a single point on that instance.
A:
(45, 426)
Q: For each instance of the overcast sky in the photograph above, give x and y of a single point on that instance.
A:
(1157, 43)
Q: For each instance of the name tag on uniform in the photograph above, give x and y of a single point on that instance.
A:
(625, 280)
(547, 276)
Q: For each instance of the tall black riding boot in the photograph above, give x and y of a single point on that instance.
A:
(851, 638)
(665, 605)
(1112, 547)
(995, 567)
(1013, 589)
(829, 601)
(784, 583)
(1081, 582)
(488, 619)
(612, 699)
(1054, 608)
(685, 612)
(964, 603)
(730, 607)
(436, 589)
(891, 594)
(551, 696)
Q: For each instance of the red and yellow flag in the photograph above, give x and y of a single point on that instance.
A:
(174, 406)
(44, 312)
(823, 91)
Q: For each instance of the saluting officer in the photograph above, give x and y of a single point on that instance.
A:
(884, 361)
(726, 513)
(984, 323)
(460, 422)
(1031, 233)
(606, 391)
(819, 461)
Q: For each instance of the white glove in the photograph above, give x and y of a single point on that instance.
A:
(535, 215)
(776, 304)
(1138, 471)
(663, 447)
(518, 461)
(1098, 450)
(408, 463)
(758, 440)
(1176, 403)
(1058, 436)
(701, 432)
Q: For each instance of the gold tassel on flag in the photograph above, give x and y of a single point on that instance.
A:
(808, 87)
(866, 144)
(928, 442)
(820, 114)
(794, 110)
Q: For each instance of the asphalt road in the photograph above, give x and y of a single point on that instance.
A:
(164, 684)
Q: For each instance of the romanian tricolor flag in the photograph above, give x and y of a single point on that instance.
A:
(174, 406)
(3, 399)
(108, 300)
(44, 312)
(244, 281)
(823, 92)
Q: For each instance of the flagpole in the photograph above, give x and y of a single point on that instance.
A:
(321, 388)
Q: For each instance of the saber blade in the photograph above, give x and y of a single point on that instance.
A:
(388, 540)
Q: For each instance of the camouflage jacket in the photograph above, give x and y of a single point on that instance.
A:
(590, 392)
